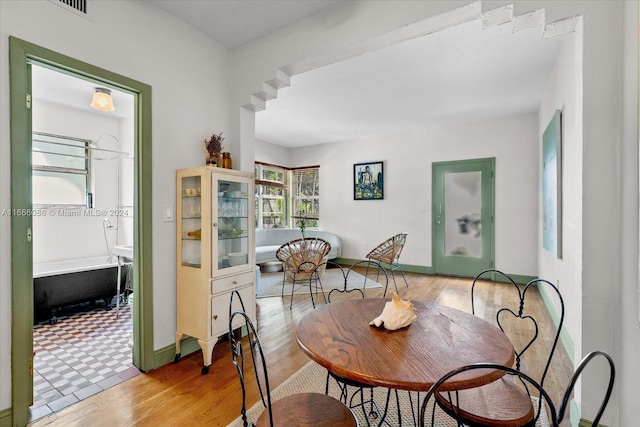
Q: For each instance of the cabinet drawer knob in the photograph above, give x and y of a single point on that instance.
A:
(235, 282)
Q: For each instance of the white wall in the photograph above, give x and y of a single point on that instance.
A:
(189, 76)
(626, 289)
(58, 237)
(561, 93)
(408, 159)
(272, 154)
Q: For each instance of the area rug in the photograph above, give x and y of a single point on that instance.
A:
(271, 283)
(312, 378)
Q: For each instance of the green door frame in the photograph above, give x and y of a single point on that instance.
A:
(21, 55)
(441, 263)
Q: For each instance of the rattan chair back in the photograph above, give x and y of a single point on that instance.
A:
(389, 251)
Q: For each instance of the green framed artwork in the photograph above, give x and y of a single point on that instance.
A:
(368, 181)
(552, 186)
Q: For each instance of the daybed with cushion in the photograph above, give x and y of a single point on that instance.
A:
(268, 240)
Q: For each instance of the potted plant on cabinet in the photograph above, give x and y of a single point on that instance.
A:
(213, 146)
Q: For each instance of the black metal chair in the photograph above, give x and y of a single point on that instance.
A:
(388, 253)
(301, 409)
(578, 372)
(477, 406)
(300, 261)
(517, 380)
(522, 381)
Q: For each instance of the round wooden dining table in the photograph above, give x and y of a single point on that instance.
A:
(338, 337)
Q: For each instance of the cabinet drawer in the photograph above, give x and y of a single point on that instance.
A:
(220, 310)
(231, 282)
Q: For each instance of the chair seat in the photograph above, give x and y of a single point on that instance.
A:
(306, 410)
(501, 403)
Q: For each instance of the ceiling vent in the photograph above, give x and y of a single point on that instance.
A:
(79, 7)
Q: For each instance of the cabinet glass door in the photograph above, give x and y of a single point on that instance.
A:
(191, 221)
(232, 223)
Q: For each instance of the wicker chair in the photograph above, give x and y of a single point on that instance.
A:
(388, 252)
(299, 409)
(299, 261)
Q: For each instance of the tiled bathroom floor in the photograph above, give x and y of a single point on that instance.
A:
(81, 355)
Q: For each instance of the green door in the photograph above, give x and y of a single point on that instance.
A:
(462, 216)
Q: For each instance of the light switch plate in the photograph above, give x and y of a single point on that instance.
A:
(167, 213)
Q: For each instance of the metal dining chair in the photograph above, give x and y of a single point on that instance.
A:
(300, 409)
(475, 406)
(574, 378)
(514, 377)
(528, 385)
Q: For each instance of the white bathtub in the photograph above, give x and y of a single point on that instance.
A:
(54, 268)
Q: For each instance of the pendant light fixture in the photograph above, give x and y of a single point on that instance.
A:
(102, 100)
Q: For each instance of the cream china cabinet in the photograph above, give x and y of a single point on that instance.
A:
(215, 231)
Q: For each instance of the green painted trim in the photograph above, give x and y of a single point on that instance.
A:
(587, 423)
(21, 55)
(166, 355)
(566, 339)
(21, 249)
(5, 417)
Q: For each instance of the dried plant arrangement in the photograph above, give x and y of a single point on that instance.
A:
(213, 144)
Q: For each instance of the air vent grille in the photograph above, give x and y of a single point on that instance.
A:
(79, 7)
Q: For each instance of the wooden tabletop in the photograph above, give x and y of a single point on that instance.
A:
(338, 337)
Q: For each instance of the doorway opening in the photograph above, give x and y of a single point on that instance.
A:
(23, 56)
(82, 188)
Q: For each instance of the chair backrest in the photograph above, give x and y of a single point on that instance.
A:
(569, 391)
(389, 251)
(303, 254)
(521, 319)
(532, 387)
(253, 360)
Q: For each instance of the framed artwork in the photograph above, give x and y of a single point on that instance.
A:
(552, 186)
(368, 181)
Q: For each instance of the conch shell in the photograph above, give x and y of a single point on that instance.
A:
(396, 314)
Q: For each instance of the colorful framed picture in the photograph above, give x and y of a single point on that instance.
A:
(552, 186)
(368, 181)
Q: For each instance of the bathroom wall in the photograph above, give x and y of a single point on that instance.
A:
(67, 233)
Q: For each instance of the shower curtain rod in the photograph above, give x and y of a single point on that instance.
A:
(118, 154)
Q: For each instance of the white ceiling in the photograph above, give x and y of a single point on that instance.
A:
(462, 74)
(236, 22)
(73, 92)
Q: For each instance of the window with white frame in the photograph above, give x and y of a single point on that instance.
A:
(272, 193)
(286, 196)
(60, 170)
(305, 194)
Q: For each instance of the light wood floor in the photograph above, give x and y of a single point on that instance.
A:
(178, 395)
